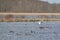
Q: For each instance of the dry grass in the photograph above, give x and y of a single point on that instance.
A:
(46, 14)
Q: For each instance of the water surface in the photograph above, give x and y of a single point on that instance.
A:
(29, 31)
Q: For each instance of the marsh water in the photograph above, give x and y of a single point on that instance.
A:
(30, 31)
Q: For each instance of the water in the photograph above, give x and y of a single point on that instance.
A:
(29, 31)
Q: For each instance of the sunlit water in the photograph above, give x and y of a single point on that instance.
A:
(29, 31)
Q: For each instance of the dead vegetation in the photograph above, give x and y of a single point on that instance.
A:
(30, 6)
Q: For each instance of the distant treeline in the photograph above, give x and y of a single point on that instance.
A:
(30, 6)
